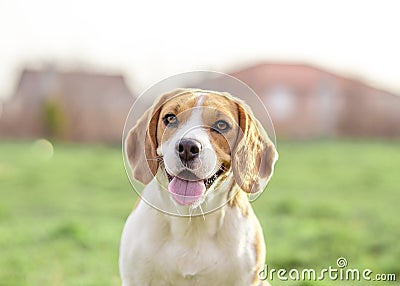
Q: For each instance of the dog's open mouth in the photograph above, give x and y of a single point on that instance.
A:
(186, 188)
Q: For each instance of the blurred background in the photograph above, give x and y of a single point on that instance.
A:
(328, 73)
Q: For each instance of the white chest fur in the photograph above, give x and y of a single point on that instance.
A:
(158, 249)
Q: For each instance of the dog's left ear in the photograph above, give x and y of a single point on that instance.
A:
(254, 155)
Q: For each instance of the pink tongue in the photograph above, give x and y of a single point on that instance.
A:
(186, 192)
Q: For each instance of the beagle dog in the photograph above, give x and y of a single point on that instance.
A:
(199, 154)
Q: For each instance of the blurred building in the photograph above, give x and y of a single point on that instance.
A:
(303, 101)
(73, 106)
(308, 102)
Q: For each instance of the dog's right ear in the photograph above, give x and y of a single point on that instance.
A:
(141, 143)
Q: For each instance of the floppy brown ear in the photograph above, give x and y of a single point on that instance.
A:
(141, 143)
(254, 155)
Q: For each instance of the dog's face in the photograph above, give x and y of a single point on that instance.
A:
(194, 141)
(196, 134)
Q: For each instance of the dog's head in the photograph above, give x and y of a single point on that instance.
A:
(196, 140)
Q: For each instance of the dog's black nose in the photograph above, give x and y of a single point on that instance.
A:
(188, 149)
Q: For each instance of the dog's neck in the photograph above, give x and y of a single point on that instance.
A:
(189, 230)
(198, 226)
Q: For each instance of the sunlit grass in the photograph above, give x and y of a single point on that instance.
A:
(61, 218)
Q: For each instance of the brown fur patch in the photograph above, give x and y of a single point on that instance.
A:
(240, 201)
(254, 155)
(217, 107)
(179, 105)
(258, 250)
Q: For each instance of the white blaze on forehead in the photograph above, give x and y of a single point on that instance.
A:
(194, 127)
(200, 101)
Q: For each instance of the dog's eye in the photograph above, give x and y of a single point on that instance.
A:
(221, 126)
(170, 120)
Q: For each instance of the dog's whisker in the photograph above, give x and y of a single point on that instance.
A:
(223, 168)
(176, 208)
(158, 158)
(202, 213)
(190, 215)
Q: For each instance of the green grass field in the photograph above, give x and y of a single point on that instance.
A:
(61, 219)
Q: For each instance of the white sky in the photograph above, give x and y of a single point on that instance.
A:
(149, 40)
